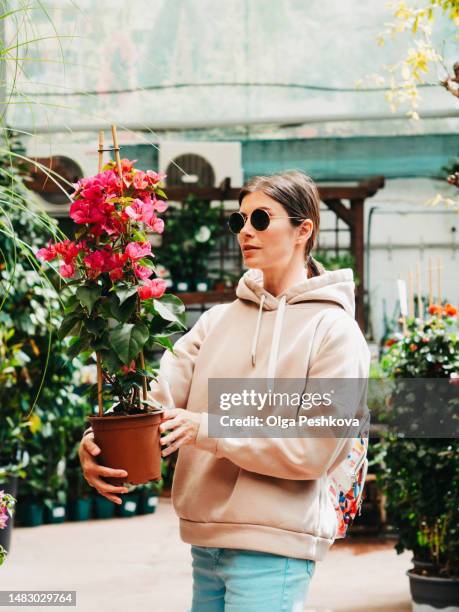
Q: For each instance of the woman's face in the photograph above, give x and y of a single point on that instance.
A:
(279, 243)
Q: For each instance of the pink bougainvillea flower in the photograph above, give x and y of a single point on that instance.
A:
(160, 205)
(116, 274)
(153, 288)
(83, 211)
(95, 188)
(68, 250)
(130, 368)
(3, 518)
(139, 180)
(137, 250)
(140, 210)
(154, 177)
(157, 225)
(142, 272)
(95, 261)
(67, 270)
(47, 254)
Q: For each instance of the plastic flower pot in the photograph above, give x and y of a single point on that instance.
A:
(103, 507)
(79, 509)
(130, 443)
(29, 513)
(202, 285)
(433, 592)
(148, 502)
(55, 512)
(129, 504)
(182, 285)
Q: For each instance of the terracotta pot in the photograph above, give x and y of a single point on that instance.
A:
(130, 443)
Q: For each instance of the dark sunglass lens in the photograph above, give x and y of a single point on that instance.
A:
(259, 219)
(235, 222)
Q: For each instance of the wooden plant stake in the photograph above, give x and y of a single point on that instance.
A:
(430, 283)
(100, 400)
(418, 290)
(120, 173)
(439, 269)
(410, 294)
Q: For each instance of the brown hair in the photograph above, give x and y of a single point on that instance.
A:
(299, 196)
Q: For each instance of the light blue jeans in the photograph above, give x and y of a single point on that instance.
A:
(233, 580)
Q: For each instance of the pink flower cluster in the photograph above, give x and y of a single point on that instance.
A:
(109, 206)
(4, 516)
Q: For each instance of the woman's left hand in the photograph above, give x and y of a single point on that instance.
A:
(185, 425)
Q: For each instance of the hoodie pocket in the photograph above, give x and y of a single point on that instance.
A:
(328, 521)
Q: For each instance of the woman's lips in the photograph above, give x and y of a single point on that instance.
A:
(249, 248)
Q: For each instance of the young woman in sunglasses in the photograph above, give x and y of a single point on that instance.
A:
(256, 510)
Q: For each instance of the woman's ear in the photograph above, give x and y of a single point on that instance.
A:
(305, 230)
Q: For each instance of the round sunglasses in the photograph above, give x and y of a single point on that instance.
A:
(259, 220)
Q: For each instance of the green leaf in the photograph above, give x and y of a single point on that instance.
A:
(110, 361)
(125, 311)
(127, 340)
(171, 308)
(161, 193)
(70, 326)
(163, 341)
(124, 293)
(95, 326)
(88, 296)
(82, 344)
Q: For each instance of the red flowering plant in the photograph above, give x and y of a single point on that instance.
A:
(115, 306)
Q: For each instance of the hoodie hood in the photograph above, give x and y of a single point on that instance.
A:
(336, 286)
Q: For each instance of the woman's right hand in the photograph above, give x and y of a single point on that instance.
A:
(92, 471)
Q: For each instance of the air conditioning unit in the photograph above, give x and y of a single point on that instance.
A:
(73, 161)
(205, 164)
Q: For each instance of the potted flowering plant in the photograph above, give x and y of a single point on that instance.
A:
(113, 307)
(7, 502)
(420, 476)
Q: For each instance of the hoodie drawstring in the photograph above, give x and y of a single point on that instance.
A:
(274, 350)
(257, 330)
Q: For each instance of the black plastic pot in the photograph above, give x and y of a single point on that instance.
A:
(434, 591)
(129, 504)
(148, 502)
(55, 512)
(79, 509)
(103, 507)
(9, 486)
(30, 512)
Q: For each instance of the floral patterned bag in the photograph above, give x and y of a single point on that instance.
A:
(345, 485)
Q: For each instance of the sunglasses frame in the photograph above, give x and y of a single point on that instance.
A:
(245, 217)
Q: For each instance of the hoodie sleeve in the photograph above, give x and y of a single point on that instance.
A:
(173, 382)
(343, 353)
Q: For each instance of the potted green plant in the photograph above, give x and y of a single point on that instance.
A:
(149, 497)
(115, 310)
(420, 476)
(129, 503)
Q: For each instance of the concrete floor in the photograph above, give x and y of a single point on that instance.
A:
(140, 563)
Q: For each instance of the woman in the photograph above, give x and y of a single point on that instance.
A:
(256, 511)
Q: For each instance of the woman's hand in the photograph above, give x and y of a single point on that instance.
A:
(92, 471)
(185, 425)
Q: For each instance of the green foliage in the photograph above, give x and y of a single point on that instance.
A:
(191, 233)
(336, 262)
(36, 377)
(420, 476)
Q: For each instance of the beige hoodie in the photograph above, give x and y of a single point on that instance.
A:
(263, 494)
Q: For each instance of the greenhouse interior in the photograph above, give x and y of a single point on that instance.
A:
(207, 209)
